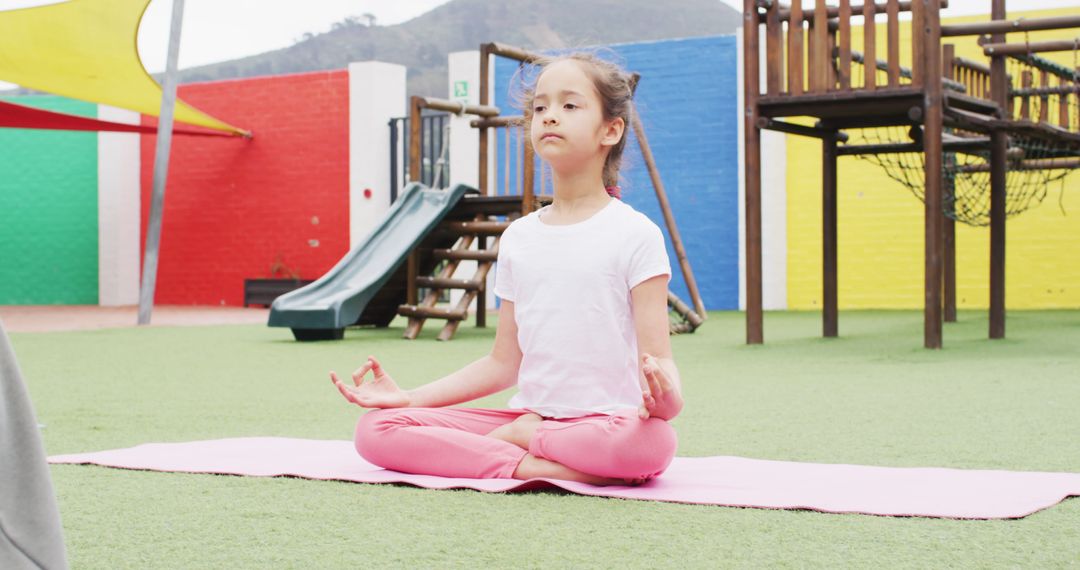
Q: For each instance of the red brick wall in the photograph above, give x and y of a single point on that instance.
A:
(234, 207)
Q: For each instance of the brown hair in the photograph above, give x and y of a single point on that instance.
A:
(615, 88)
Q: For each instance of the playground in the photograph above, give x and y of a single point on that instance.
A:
(863, 399)
(833, 186)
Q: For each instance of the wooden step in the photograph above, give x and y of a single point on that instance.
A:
(475, 228)
(470, 205)
(414, 311)
(471, 254)
(447, 283)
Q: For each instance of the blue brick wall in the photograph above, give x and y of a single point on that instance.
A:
(687, 100)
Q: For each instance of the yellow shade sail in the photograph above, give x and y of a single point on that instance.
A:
(87, 49)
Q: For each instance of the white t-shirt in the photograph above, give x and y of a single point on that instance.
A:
(570, 285)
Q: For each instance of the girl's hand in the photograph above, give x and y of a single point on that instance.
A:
(379, 392)
(661, 396)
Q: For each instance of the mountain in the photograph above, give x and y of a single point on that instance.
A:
(422, 44)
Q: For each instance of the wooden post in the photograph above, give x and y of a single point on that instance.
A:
(773, 50)
(920, 37)
(869, 47)
(1025, 100)
(844, 64)
(1044, 100)
(795, 50)
(893, 40)
(998, 143)
(415, 164)
(927, 22)
(669, 216)
(415, 120)
(820, 55)
(1063, 105)
(948, 55)
(528, 176)
(950, 250)
(829, 314)
(485, 58)
(752, 167)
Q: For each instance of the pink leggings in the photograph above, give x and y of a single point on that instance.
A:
(452, 442)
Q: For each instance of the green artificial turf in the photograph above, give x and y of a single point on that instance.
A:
(872, 397)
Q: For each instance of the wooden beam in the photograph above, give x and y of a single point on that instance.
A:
(830, 316)
(666, 211)
(802, 130)
(893, 9)
(1001, 27)
(795, 50)
(512, 52)
(948, 57)
(484, 132)
(1001, 48)
(820, 56)
(752, 170)
(998, 169)
(458, 107)
(834, 11)
(927, 22)
(869, 46)
(773, 51)
(844, 64)
(415, 106)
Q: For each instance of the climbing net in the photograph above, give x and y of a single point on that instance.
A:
(1043, 95)
(1033, 164)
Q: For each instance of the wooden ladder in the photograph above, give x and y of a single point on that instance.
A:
(426, 309)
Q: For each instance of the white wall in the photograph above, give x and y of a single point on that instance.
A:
(376, 94)
(118, 211)
(463, 84)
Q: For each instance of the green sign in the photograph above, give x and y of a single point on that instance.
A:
(461, 89)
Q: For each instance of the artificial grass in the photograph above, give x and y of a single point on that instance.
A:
(873, 397)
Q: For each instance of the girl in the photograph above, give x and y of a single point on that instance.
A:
(582, 330)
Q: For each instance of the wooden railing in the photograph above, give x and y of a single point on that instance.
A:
(1056, 89)
(974, 76)
(819, 55)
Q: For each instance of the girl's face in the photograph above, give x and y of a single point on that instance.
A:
(568, 126)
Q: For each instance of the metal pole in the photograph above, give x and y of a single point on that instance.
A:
(161, 168)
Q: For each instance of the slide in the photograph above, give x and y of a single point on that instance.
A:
(322, 309)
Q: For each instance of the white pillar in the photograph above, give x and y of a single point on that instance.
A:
(376, 94)
(773, 200)
(464, 85)
(118, 210)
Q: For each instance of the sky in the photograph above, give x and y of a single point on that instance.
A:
(220, 30)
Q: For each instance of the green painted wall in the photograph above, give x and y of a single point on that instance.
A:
(48, 211)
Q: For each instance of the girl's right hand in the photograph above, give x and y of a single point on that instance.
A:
(379, 392)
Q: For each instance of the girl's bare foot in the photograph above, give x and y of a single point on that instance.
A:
(532, 466)
(518, 432)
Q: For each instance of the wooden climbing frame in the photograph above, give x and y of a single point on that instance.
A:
(939, 90)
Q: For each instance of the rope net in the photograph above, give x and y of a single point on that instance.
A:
(1036, 157)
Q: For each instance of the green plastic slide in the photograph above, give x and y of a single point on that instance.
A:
(322, 309)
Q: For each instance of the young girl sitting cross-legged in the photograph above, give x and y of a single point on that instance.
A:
(582, 329)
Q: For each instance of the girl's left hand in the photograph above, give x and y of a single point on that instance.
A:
(661, 395)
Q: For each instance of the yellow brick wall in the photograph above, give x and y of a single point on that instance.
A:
(881, 225)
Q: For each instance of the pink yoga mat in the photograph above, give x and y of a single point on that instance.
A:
(727, 481)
